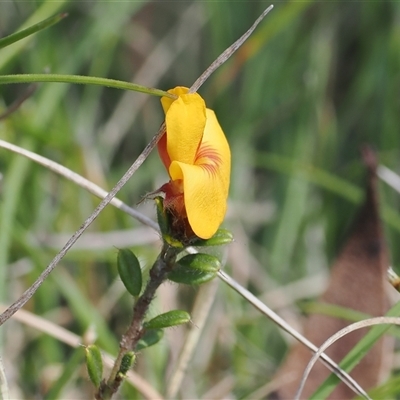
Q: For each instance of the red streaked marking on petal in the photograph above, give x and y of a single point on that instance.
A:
(208, 158)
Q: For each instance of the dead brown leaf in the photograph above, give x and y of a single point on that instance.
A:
(358, 282)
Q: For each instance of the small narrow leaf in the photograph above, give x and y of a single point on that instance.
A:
(168, 319)
(127, 361)
(222, 236)
(150, 338)
(130, 272)
(94, 364)
(172, 241)
(15, 37)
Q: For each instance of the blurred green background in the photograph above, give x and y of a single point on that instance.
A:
(315, 82)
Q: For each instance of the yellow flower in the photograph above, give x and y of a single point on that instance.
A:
(197, 157)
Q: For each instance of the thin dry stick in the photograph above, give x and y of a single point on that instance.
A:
(32, 289)
(80, 181)
(347, 379)
(227, 53)
(269, 387)
(343, 332)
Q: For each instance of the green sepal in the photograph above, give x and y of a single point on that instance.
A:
(94, 364)
(127, 361)
(129, 271)
(162, 217)
(164, 224)
(150, 338)
(222, 236)
(173, 242)
(168, 319)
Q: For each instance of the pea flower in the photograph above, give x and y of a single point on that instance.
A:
(197, 157)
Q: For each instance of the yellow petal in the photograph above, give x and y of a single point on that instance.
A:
(206, 184)
(166, 101)
(204, 201)
(185, 121)
(214, 137)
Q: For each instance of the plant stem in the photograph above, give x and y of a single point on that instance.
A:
(84, 80)
(158, 274)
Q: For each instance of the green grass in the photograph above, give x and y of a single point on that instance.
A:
(314, 83)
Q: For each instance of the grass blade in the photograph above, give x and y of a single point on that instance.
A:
(15, 37)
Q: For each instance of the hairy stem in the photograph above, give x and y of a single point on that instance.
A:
(135, 332)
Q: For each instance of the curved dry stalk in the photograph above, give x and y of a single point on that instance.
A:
(343, 332)
(346, 378)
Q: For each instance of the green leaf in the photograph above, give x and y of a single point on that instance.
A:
(130, 272)
(195, 269)
(190, 276)
(201, 262)
(94, 364)
(150, 338)
(15, 37)
(162, 217)
(222, 236)
(168, 319)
